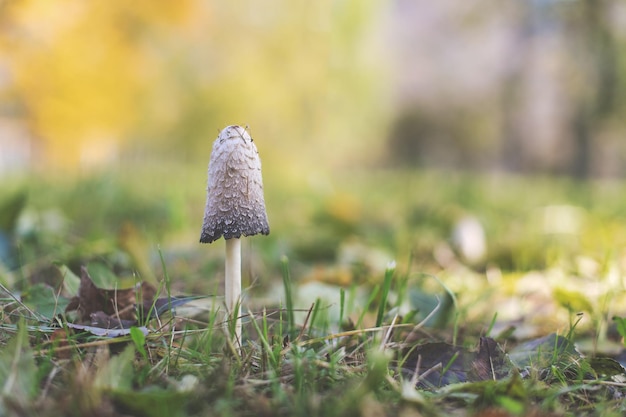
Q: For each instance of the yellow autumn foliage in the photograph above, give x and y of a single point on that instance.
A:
(96, 77)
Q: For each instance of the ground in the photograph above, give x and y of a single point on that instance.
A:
(384, 293)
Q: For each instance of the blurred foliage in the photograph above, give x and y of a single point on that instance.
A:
(520, 86)
(94, 78)
(558, 245)
(523, 87)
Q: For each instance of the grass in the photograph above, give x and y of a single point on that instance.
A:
(332, 327)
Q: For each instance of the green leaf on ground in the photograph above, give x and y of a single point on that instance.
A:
(103, 277)
(18, 372)
(139, 339)
(44, 300)
(544, 352)
(117, 374)
(71, 281)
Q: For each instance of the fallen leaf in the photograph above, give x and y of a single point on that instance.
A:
(550, 353)
(43, 299)
(439, 364)
(71, 282)
(162, 305)
(102, 332)
(608, 368)
(18, 372)
(104, 321)
(91, 299)
(101, 311)
(117, 372)
(489, 362)
(542, 352)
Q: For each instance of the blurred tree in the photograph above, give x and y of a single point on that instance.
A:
(595, 42)
(530, 86)
(96, 76)
(78, 70)
(511, 142)
(303, 75)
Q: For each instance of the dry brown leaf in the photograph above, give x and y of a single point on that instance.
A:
(108, 308)
(438, 364)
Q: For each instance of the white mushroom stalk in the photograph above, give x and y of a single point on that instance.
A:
(235, 205)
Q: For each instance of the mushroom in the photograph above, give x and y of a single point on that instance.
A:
(235, 205)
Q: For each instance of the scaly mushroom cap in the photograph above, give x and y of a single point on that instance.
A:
(234, 205)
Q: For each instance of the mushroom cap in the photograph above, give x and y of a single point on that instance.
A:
(235, 205)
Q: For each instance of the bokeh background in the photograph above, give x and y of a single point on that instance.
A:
(478, 141)
(93, 84)
(531, 86)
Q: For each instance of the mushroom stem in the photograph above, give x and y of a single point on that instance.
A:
(233, 283)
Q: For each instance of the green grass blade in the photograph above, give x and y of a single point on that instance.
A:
(288, 295)
(139, 340)
(389, 272)
(366, 308)
(168, 281)
(342, 303)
